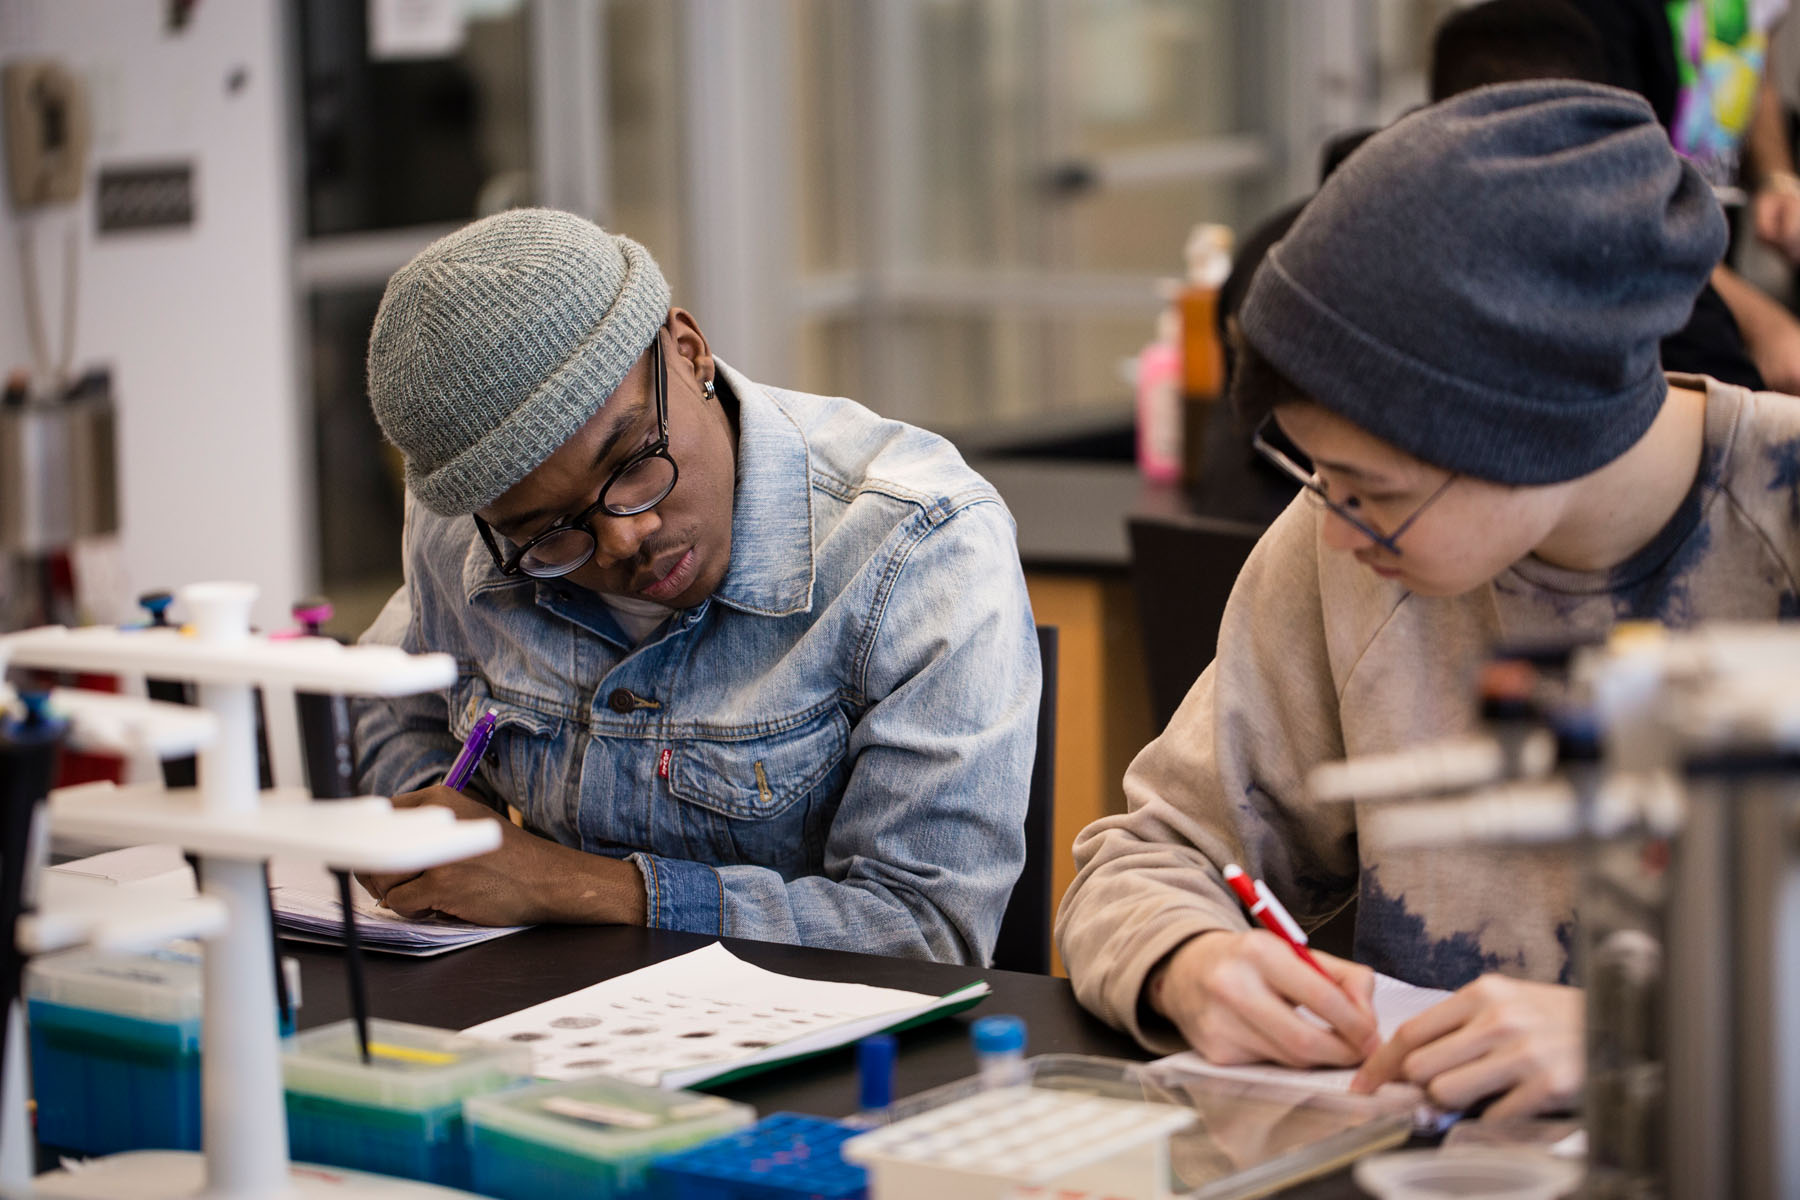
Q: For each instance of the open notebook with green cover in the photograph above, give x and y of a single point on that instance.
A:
(707, 1017)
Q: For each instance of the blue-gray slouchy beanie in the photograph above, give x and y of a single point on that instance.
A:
(1485, 283)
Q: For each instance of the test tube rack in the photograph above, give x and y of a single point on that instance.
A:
(984, 1146)
(234, 828)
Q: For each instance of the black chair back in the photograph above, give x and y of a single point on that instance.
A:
(1182, 570)
(1024, 942)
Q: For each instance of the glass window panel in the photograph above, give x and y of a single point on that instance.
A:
(358, 479)
(416, 141)
(1005, 94)
(643, 99)
(828, 357)
(826, 100)
(980, 118)
(1143, 230)
(1141, 73)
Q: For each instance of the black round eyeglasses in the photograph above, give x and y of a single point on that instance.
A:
(637, 485)
(1312, 483)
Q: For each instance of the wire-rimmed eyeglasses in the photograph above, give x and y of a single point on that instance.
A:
(1343, 509)
(638, 484)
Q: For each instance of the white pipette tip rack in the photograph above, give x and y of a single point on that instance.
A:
(984, 1146)
(235, 827)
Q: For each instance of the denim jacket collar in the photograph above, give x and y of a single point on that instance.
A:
(771, 571)
(478, 571)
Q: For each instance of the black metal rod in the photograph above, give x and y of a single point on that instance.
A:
(284, 1003)
(359, 991)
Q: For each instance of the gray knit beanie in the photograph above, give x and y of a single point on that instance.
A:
(1485, 283)
(499, 341)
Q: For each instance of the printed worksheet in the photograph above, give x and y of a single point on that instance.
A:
(702, 1015)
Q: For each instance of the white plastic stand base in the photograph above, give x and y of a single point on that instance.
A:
(168, 1174)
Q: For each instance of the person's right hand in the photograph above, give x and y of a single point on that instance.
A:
(1235, 998)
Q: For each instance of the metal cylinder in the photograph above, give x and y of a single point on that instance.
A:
(58, 472)
(1734, 1053)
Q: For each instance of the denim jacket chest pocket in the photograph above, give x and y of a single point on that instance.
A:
(526, 761)
(762, 797)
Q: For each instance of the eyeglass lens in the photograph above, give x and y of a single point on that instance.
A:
(557, 554)
(643, 484)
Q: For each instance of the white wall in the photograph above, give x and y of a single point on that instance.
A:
(198, 323)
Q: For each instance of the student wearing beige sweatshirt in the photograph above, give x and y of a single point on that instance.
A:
(1461, 333)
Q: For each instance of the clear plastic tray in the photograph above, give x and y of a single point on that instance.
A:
(115, 1050)
(150, 987)
(402, 1112)
(1249, 1139)
(591, 1137)
(412, 1067)
(607, 1118)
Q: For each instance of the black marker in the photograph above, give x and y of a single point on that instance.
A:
(359, 993)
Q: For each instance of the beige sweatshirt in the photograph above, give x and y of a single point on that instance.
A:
(1320, 659)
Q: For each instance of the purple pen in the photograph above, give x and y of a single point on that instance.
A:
(472, 750)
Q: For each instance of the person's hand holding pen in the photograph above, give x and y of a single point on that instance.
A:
(529, 880)
(1236, 996)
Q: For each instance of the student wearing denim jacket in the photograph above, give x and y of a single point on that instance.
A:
(763, 662)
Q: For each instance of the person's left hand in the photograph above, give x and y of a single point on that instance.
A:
(1518, 1040)
(529, 880)
(1775, 211)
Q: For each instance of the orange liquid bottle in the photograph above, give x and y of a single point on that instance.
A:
(1208, 255)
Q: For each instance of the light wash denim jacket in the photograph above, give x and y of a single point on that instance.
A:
(834, 749)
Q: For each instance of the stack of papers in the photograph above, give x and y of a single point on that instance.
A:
(705, 1017)
(305, 897)
(307, 910)
(144, 870)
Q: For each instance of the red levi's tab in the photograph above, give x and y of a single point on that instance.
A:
(662, 762)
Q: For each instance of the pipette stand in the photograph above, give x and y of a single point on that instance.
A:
(235, 829)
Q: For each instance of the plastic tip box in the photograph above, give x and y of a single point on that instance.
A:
(782, 1157)
(983, 1146)
(115, 1050)
(401, 1113)
(590, 1137)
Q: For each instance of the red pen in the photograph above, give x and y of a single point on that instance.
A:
(1267, 909)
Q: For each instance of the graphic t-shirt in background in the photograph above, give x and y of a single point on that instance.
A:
(1698, 62)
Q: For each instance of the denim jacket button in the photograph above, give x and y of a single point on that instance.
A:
(623, 700)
